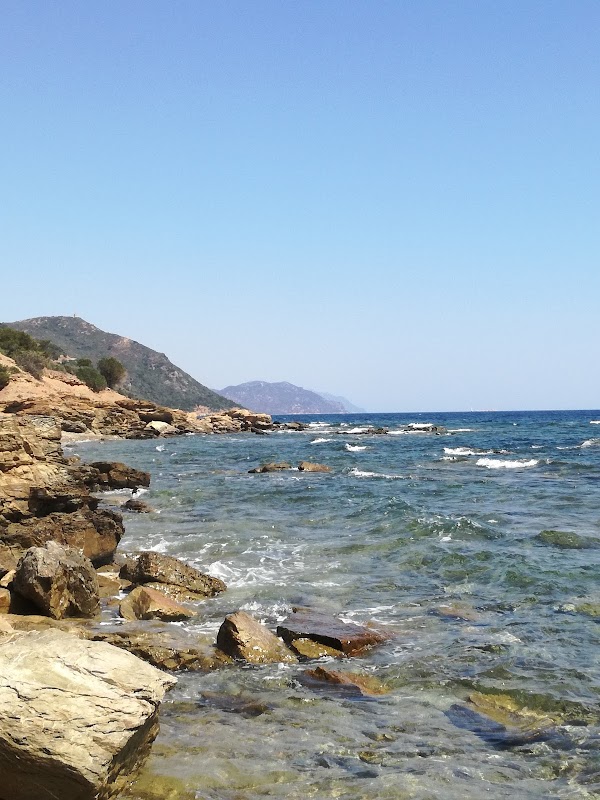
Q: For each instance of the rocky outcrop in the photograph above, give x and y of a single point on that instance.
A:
(244, 638)
(151, 567)
(77, 717)
(347, 638)
(271, 466)
(309, 466)
(59, 581)
(145, 603)
(115, 475)
(44, 496)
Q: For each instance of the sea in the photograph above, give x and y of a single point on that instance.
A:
(478, 549)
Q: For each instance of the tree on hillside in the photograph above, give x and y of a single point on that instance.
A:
(12, 342)
(91, 377)
(112, 370)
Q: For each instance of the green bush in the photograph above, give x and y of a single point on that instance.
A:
(4, 377)
(84, 362)
(91, 377)
(13, 342)
(31, 361)
(113, 370)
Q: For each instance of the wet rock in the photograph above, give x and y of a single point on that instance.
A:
(347, 638)
(233, 704)
(178, 593)
(272, 466)
(110, 584)
(161, 428)
(307, 648)
(58, 580)
(115, 475)
(457, 611)
(353, 682)
(566, 540)
(78, 717)
(138, 506)
(309, 466)
(243, 637)
(145, 603)
(149, 567)
(166, 647)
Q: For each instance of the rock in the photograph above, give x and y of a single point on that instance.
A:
(78, 717)
(347, 638)
(365, 685)
(244, 638)
(138, 506)
(271, 467)
(178, 593)
(145, 603)
(7, 579)
(115, 475)
(8, 560)
(308, 466)
(95, 533)
(5, 627)
(156, 567)
(4, 601)
(307, 648)
(59, 580)
(566, 540)
(166, 647)
(161, 428)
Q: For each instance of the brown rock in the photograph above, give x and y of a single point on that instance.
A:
(145, 603)
(308, 466)
(166, 647)
(155, 567)
(178, 593)
(271, 467)
(307, 648)
(348, 638)
(59, 580)
(4, 601)
(115, 475)
(138, 506)
(243, 637)
(365, 685)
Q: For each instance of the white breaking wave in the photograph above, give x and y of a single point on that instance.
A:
(318, 424)
(496, 463)
(321, 440)
(595, 422)
(590, 443)
(357, 430)
(354, 448)
(360, 473)
(461, 430)
(461, 451)
(160, 447)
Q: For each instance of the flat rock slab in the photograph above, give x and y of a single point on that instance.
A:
(346, 637)
(245, 638)
(76, 717)
(351, 682)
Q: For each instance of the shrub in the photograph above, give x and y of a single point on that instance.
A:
(31, 361)
(84, 362)
(113, 370)
(13, 342)
(4, 377)
(91, 377)
(49, 349)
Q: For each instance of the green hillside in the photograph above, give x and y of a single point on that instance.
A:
(150, 375)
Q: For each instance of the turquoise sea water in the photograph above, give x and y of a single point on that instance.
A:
(435, 537)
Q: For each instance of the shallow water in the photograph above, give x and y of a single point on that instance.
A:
(432, 536)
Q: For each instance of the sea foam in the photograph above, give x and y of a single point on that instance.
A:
(496, 463)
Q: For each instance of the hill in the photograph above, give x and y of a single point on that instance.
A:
(150, 375)
(348, 407)
(280, 398)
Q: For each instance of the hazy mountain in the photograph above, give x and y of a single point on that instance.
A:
(150, 375)
(280, 398)
(348, 407)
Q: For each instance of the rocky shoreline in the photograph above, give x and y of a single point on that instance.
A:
(80, 700)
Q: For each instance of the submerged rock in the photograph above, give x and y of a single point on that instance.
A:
(354, 682)
(347, 638)
(567, 540)
(272, 466)
(309, 466)
(77, 718)
(150, 567)
(243, 637)
(58, 580)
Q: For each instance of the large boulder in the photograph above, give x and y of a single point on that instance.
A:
(115, 475)
(310, 466)
(95, 533)
(245, 638)
(346, 637)
(59, 580)
(145, 603)
(76, 717)
(155, 567)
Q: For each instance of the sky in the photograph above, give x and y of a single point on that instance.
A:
(397, 202)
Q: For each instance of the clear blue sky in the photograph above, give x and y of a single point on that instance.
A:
(393, 201)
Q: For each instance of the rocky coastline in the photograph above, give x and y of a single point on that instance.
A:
(80, 699)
